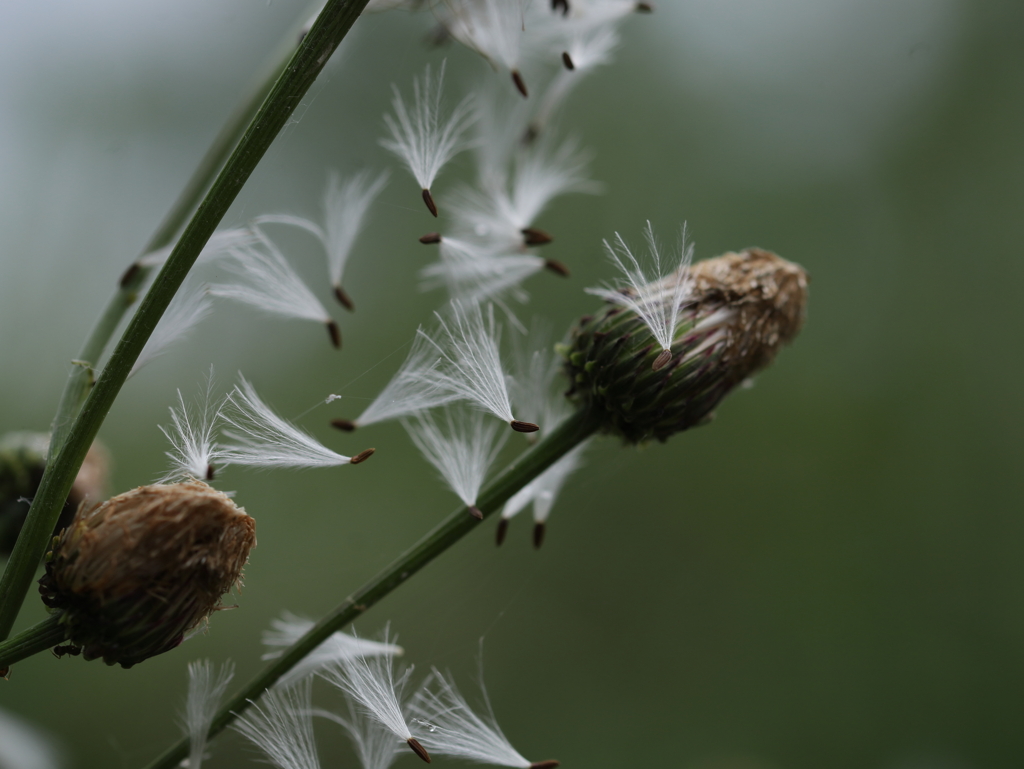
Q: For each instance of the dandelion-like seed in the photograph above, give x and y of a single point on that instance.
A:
(264, 439)
(472, 362)
(414, 388)
(462, 450)
(371, 683)
(345, 206)
(492, 28)
(270, 284)
(189, 307)
(542, 491)
(194, 450)
(420, 137)
(450, 727)
(289, 629)
(472, 274)
(206, 687)
(655, 294)
(375, 746)
(282, 726)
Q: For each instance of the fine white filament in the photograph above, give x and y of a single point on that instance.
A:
(654, 293)
(266, 440)
(289, 629)
(420, 136)
(190, 306)
(194, 448)
(462, 449)
(282, 726)
(206, 687)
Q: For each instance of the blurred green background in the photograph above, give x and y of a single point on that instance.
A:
(828, 576)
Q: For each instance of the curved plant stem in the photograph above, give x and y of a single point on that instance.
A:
(38, 638)
(81, 378)
(316, 48)
(569, 434)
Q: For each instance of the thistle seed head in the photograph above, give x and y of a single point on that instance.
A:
(135, 574)
(735, 316)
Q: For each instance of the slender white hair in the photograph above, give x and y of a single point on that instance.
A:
(447, 725)
(345, 205)
(206, 687)
(189, 307)
(492, 28)
(471, 366)
(263, 439)
(413, 389)
(372, 685)
(543, 490)
(655, 292)
(375, 746)
(462, 449)
(194, 447)
(282, 726)
(420, 136)
(288, 629)
(472, 274)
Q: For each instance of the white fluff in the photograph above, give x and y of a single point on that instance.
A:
(289, 629)
(446, 725)
(194, 449)
(282, 727)
(375, 746)
(472, 275)
(654, 292)
(187, 309)
(219, 243)
(268, 283)
(345, 205)
(492, 28)
(471, 366)
(206, 687)
(543, 490)
(536, 387)
(414, 387)
(371, 683)
(421, 137)
(24, 746)
(462, 449)
(266, 440)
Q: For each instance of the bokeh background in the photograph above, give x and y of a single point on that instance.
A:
(829, 575)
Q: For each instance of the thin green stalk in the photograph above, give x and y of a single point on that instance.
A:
(82, 375)
(316, 48)
(563, 439)
(38, 638)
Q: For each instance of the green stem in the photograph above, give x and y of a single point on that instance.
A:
(37, 638)
(316, 48)
(81, 377)
(563, 439)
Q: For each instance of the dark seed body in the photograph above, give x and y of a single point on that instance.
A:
(476, 512)
(418, 749)
(429, 200)
(501, 531)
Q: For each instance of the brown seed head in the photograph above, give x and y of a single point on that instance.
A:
(136, 573)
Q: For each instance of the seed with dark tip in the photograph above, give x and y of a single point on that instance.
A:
(567, 61)
(557, 267)
(209, 472)
(429, 200)
(418, 749)
(430, 238)
(341, 296)
(476, 512)
(520, 84)
(562, 5)
(544, 765)
(335, 332)
(362, 456)
(538, 540)
(644, 8)
(129, 274)
(343, 424)
(664, 357)
(523, 427)
(501, 531)
(533, 237)
(531, 134)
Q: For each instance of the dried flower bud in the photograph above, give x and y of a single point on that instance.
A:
(22, 461)
(736, 314)
(138, 572)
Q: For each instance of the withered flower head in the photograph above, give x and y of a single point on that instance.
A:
(737, 310)
(136, 573)
(22, 461)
